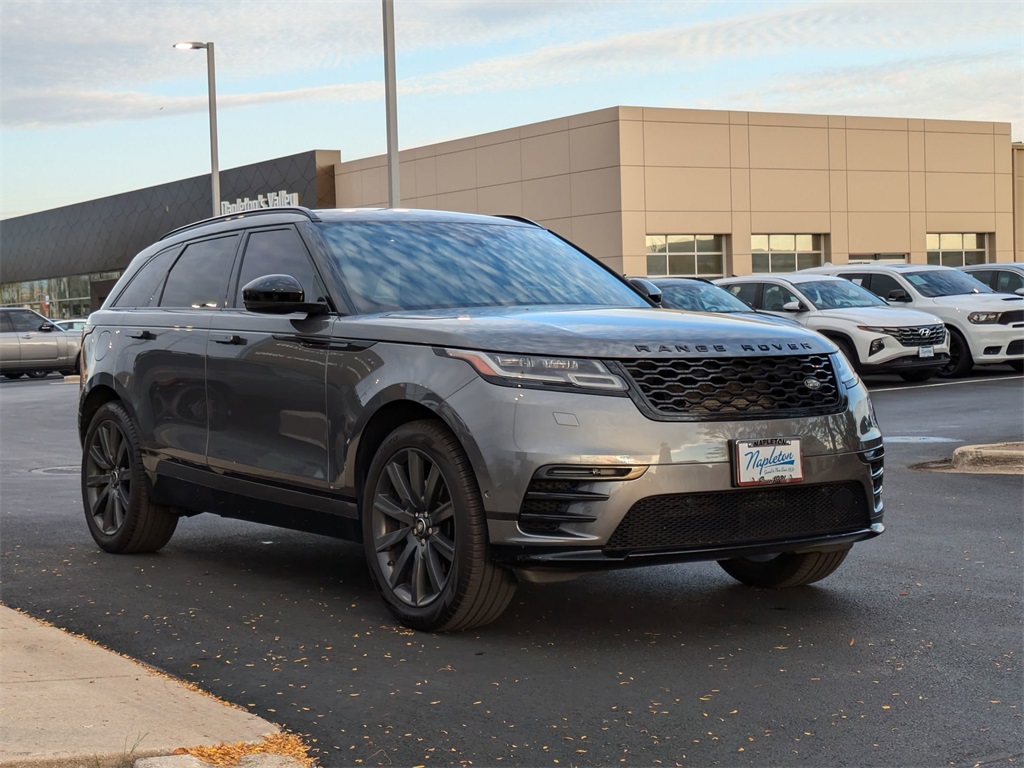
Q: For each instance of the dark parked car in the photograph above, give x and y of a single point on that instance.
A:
(697, 295)
(33, 345)
(1000, 277)
(474, 399)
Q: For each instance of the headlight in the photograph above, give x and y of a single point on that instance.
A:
(844, 370)
(984, 318)
(541, 372)
(875, 329)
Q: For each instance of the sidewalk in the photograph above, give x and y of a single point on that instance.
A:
(68, 703)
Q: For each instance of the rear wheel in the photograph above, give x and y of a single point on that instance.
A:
(960, 360)
(115, 489)
(788, 569)
(425, 536)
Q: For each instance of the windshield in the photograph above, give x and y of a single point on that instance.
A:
(941, 282)
(399, 265)
(699, 297)
(838, 294)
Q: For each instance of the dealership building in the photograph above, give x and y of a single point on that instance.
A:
(649, 191)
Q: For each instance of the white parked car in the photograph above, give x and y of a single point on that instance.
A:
(1001, 278)
(876, 337)
(985, 328)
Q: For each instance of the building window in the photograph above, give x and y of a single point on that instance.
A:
(785, 253)
(955, 249)
(57, 297)
(686, 255)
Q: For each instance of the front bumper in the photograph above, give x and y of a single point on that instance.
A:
(994, 344)
(582, 473)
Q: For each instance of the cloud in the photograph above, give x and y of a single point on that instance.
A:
(115, 74)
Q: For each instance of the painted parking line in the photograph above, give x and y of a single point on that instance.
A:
(941, 384)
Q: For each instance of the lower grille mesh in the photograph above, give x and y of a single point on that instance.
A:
(740, 517)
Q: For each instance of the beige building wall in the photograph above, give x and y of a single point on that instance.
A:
(1018, 202)
(607, 179)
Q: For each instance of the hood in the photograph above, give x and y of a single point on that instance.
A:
(992, 302)
(586, 332)
(882, 316)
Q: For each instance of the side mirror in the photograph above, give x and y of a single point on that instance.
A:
(898, 294)
(278, 295)
(793, 306)
(646, 288)
(1019, 291)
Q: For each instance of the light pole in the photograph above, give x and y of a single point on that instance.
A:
(214, 169)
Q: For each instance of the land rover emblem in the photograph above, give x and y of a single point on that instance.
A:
(812, 384)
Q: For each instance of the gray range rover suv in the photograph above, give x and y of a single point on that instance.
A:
(474, 399)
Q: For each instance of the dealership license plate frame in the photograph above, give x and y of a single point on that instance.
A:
(767, 461)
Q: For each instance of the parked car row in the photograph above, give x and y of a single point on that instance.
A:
(913, 320)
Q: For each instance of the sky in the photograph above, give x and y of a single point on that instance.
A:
(95, 101)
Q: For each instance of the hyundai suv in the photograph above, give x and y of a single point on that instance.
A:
(985, 328)
(474, 399)
(875, 337)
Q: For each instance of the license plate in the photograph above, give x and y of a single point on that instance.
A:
(768, 460)
(926, 352)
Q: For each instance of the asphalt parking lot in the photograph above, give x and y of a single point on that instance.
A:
(910, 655)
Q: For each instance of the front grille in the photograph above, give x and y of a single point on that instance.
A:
(740, 517)
(1009, 318)
(720, 388)
(922, 336)
(1015, 347)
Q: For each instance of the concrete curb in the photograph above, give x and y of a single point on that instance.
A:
(1000, 457)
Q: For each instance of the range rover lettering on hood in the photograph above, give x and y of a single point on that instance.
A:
(774, 346)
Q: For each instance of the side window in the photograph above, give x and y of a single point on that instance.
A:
(1008, 282)
(987, 276)
(277, 252)
(858, 278)
(776, 296)
(25, 320)
(884, 285)
(747, 292)
(199, 278)
(146, 282)
(5, 322)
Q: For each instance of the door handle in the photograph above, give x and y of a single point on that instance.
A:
(147, 335)
(226, 338)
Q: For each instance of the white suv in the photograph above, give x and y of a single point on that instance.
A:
(875, 337)
(985, 328)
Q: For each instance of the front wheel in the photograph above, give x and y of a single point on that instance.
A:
(960, 360)
(1017, 365)
(788, 569)
(425, 536)
(918, 375)
(115, 489)
(38, 374)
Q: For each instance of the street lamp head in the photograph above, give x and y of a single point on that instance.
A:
(190, 46)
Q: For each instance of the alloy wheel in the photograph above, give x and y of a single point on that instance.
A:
(108, 477)
(413, 527)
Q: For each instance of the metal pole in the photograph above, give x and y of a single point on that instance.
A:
(390, 106)
(214, 168)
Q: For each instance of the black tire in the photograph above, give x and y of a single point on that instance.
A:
(960, 361)
(13, 375)
(38, 374)
(788, 569)
(75, 369)
(851, 353)
(1017, 365)
(918, 375)
(115, 489)
(425, 536)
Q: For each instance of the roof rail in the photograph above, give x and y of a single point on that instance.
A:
(311, 215)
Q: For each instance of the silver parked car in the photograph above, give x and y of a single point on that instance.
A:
(474, 399)
(33, 345)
